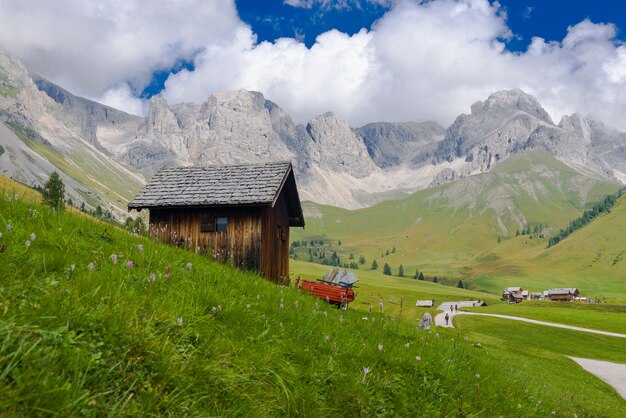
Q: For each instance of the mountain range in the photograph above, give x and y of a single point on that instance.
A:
(105, 155)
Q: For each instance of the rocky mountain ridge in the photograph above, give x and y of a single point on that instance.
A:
(335, 164)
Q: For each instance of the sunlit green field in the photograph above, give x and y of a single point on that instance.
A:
(467, 230)
(173, 333)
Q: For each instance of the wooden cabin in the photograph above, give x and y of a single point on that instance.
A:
(237, 213)
(513, 294)
(563, 294)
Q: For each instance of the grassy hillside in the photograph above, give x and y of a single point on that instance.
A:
(158, 330)
(592, 259)
(461, 230)
(397, 294)
(101, 178)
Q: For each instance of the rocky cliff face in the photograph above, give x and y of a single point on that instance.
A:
(96, 122)
(39, 135)
(393, 144)
(240, 127)
(507, 123)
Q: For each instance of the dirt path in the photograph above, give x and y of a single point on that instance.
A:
(440, 321)
(612, 373)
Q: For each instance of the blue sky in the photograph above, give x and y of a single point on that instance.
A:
(549, 19)
(274, 19)
(366, 60)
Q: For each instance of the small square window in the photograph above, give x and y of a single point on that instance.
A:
(221, 224)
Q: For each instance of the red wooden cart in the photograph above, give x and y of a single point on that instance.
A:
(336, 287)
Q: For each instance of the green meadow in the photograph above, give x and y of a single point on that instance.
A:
(96, 321)
(473, 229)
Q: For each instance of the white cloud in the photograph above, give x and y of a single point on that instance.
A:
(121, 97)
(91, 46)
(418, 62)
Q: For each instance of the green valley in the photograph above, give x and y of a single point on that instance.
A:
(489, 230)
(96, 321)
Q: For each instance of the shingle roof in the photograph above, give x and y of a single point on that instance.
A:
(562, 291)
(226, 185)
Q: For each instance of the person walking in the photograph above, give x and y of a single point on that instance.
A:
(447, 318)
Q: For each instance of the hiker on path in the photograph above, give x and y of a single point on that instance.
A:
(447, 319)
(456, 308)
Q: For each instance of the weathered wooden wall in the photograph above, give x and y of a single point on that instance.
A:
(256, 238)
(275, 244)
(240, 243)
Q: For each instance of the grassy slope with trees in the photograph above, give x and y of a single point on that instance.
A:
(85, 333)
(467, 229)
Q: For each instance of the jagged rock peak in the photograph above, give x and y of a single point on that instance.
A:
(347, 150)
(577, 125)
(512, 99)
(240, 100)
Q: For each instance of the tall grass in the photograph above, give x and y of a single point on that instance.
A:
(94, 321)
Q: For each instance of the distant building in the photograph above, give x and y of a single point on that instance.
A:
(239, 213)
(535, 296)
(566, 294)
(425, 303)
(513, 294)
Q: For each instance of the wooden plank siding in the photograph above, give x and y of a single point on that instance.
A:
(256, 238)
(275, 244)
(240, 243)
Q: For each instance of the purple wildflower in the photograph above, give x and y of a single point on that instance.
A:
(327, 338)
(9, 227)
(189, 266)
(129, 264)
(114, 258)
(140, 247)
(0, 234)
(32, 236)
(90, 266)
(27, 243)
(152, 278)
(418, 358)
(366, 370)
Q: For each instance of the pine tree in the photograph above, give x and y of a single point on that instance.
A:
(460, 284)
(387, 252)
(374, 265)
(435, 280)
(361, 260)
(339, 243)
(393, 250)
(417, 274)
(54, 191)
(421, 276)
(517, 233)
(387, 269)
(351, 257)
(401, 271)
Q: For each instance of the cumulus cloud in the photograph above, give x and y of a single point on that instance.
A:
(420, 61)
(89, 46)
